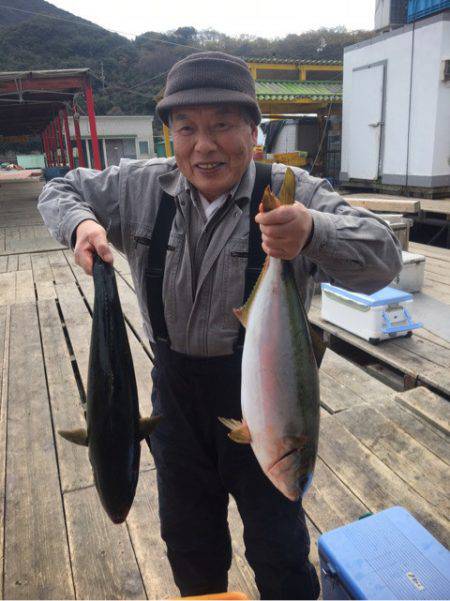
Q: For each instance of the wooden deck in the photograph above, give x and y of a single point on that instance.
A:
(379, 447)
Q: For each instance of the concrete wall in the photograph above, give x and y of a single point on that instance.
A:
(138, 127)
(415, 146)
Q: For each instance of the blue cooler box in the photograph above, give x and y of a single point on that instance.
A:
(385, 556)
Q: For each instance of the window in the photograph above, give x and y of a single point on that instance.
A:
(143, 147)
(277, 74)
(318, 75)
(446, 70)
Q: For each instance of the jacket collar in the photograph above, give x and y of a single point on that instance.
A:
(174, 182)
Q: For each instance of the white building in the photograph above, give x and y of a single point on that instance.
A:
(119, 137)
(396, 106)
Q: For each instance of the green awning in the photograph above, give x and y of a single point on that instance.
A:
(296, 90)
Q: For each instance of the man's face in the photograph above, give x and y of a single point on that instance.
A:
(213, 146)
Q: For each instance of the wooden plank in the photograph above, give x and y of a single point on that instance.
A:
(12, 263)
(103, 562)
(62, 273)
(371, 480)
(436, 206)
(334, 396)
(24, 262)
(434, 252)
(12, 234)
(437, 267)
(4, 362)
(436, 290)
(314, 534)
(16, 247)
(422, 431)
(43, 277)
(389, 352)
(385, 204)
(24, 287)
(4, 329)
(434, 274)
(428, 406)
(422, 470)
(144, 527)
(7, 288)
(78, 322)
(35, 535)
(353, 378)
(67, 411)
(426, 349)
(437, 378)
(3, 264)
(328, 502)
(432, 337)
(26, 232)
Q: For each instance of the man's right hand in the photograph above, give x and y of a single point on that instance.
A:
(91, 238)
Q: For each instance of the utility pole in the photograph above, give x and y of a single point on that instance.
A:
(102, 75)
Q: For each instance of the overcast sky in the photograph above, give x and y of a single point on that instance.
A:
(260, 18)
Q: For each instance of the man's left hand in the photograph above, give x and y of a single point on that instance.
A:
(285, 230)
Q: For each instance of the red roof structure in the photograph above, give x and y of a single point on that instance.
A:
(39, 102)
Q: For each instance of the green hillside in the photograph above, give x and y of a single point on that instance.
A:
(34, 34)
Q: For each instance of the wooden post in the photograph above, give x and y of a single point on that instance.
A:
(68, 141)
(49, 152)
(76, 126)
(92, 125)
(60, 138)
(55, 143)
(44, 140)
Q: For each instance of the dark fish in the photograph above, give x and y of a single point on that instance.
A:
(114, 427)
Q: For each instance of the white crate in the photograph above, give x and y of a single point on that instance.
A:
(411, 276)
(374, 317)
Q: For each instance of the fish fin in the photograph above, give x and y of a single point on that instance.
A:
(287, 192)
(243, 312)
(239, 430)
(269, 201)
(319, 346)
(78, 436)
(147, 425)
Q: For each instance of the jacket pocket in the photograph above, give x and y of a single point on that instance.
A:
(235, 258)
(174, 254)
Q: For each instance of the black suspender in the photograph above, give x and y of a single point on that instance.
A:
(256, 255)
(158, 249)
(155, 270)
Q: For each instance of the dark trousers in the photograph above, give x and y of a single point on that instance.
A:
(198, 466)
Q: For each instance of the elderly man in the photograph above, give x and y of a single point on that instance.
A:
(195, 243)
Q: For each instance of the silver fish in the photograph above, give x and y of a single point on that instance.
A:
(280, 384)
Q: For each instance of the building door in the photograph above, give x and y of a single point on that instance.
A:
(366, 122)
(119, 148)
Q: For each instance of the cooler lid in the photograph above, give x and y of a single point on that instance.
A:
(408, 257)
(388, 556)
(385, 296)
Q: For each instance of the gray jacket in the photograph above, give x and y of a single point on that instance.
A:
(350, 247)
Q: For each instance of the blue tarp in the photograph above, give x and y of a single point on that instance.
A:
(422, 8)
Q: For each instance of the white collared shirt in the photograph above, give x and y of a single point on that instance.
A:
(211, 207)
